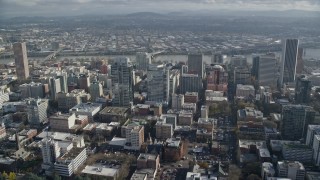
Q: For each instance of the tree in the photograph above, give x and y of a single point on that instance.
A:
(5, 175)
(31, 176)
(12, 176)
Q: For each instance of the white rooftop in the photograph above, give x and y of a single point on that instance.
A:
(101, 171)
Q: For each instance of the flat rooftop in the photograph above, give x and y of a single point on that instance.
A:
(114, 110)
(86, 107)
(100, 171)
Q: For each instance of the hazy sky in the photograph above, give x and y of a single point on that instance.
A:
(79, 7)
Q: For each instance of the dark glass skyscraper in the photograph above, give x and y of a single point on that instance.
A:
(289, 61)
(195, 64)
(303, 90)
(20, 57)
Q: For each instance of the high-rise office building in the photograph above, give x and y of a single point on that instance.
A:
(50, 151)
(195, 64)
(264, 69)
(300, 65)
(302, 90)
(63, 81)
(4, 94)
(216, 78)
(21, 60)
(34, 90)
(37, 111)
(84, 82)
(190, 83)
(177, 101)
(238, 61)
(55, 87)
(142, 61)
(217, 58)
(295, 121)
(122, 81)
(96, 90)
(158, 83)
(289, 61)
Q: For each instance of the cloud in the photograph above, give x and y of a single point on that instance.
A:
(64, 7)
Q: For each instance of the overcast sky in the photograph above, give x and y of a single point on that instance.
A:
(79, 7)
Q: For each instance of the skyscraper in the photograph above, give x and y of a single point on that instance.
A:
(122, 81)
(295, 120)
(190, 83)
(302, 90)
(300, 65)
(21, 60)
(158, 83)
(195, 64)
(96, 90)
(289, 61)
(142, 61)
(264, 69)
(55, 87)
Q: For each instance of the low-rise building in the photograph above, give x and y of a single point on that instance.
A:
(114, 114)
(69, 163)
(97, 172)
(245, 91)
(291, 169)
(185, 119)
(173, 149)
(267, 170)
(191, 97)
(164, 129)
(146, 161)
(249, 114)
(87, 109)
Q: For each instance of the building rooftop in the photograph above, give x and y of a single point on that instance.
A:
(171, 142)
(138, 176)
(100, 171)
(286, 164)
(69, 156)
(247, 143)
(86, 107)
(116, 141)
(144, 156)
(268, 167)
(59, 136)
(191, 94)
(114, 110)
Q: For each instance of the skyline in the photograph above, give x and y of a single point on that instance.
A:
(13, 8)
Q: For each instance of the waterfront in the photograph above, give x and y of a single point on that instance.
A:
(309, 54)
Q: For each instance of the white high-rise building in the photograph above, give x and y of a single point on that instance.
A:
(55, 87)
(37, 111)
(291, 169)
(158, 83)
(267, 170)
(50, 151)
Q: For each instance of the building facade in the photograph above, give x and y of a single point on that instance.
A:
(21, 60)
(289, 61)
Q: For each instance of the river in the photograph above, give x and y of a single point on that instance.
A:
(309, 54)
